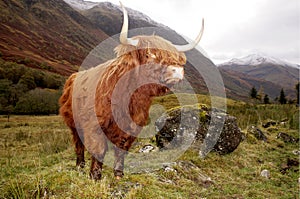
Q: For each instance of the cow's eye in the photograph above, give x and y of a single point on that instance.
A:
(150, 55)
(153, 56)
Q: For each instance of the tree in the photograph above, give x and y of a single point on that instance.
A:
(8, 97)
(297, 92)
(27, 81)
(260, 93)
(38, 101)
(282, 98)
(12, 71)
(253, 93)
(266, 99)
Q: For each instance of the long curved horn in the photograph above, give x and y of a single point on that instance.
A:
(124, 32)
(190, 46)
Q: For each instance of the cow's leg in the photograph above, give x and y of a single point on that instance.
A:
(96, 165)
(123, 143)
(96, 169)
(121, 149)
(79, 149)
(97, 145)
(119, 162)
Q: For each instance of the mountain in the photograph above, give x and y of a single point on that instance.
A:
(238, 86)
(109, 17)
(48, 34)
(57, 35)
(264, 72)
(81, 4)
(257, 59)
(102, 12)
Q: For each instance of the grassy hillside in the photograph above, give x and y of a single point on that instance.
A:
(47, 33)
(37, 161)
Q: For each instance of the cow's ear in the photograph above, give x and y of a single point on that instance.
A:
(143, 56)
(135, 58)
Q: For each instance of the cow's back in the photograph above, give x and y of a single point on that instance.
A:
(65, 101)
(78, 95)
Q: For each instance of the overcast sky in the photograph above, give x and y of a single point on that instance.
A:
(233, 28)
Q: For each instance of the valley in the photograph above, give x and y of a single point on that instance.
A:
(43, 42)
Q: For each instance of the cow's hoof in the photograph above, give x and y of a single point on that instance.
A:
(80, 165)
(118, 174)
(95, 175)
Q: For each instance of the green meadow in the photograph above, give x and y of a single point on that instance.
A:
(37, 161)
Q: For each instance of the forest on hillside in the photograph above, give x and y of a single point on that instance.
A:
(25, 90)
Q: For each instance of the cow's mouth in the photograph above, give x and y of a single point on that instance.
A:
(172, 81)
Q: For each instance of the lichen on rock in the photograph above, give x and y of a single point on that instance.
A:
(195, 122)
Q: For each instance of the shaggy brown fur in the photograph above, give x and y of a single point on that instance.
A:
(150, 58)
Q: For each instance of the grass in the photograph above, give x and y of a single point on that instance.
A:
(37, 161)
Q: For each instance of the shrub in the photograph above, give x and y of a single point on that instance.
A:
(38, 102)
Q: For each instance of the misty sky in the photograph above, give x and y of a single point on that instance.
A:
(233, 28)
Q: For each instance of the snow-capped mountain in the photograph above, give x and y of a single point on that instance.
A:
(133, 13)
(81, 4)
(257, 59)
(284, 74)
(85, 5)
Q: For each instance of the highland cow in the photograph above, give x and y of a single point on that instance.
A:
(98, 105)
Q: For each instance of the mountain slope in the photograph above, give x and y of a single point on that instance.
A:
(81, 4)
(269, 69)
(238, 86)
(46, 34)
(109, 18)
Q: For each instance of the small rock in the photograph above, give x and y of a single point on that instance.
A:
(147, 149)
(121, 190)
(283, 123)
(169, 169)
(257, 133)
(289, 165)
(269, 123)
(287, 138)
(292, 162)
(137, 186)
(284, 168)
(265, 173)
(296, 152)
(208, 182)
(169, 182)
(198, 175)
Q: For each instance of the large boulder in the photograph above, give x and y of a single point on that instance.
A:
(192, 122)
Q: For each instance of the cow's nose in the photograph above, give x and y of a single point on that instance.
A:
(177, 72)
